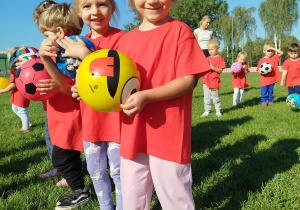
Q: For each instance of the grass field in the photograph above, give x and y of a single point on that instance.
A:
(247, 159)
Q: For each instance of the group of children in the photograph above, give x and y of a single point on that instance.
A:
(290, 75)
(138, 144)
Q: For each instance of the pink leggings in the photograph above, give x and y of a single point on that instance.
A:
(172, 182)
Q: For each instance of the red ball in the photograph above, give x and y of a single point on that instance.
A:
(28, 76)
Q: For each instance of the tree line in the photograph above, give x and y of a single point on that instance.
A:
(237, 29)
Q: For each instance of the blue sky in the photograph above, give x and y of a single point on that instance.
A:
(17, 26)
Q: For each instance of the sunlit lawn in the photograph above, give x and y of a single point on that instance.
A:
(247, 159)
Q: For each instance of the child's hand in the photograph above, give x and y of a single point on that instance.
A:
(281, 84)
(48, 45)
(135, 103)
(46, 86)
(75, 92)
(74, 49)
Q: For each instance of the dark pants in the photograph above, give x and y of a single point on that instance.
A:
(68, 163)
(267, 93)
(295, 89)
(206, 53)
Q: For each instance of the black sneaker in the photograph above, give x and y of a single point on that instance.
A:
(73, 199)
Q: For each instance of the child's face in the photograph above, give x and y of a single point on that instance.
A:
(96, 14)
(293, 55)
(241, 59)
(50, 34)
(213, 49)
(155, 12)
(269, 53)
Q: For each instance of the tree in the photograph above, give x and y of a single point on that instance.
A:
(191, 12)
(278, 17)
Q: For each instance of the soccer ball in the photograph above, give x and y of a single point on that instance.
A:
(265, 68)
(236, 67)
(28, 76)
(69, 66)
(4, 82)
(106, 78)
(293, 100)
(27, 53)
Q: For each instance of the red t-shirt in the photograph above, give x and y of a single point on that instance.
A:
(239, 80)
(274, 75)
(99, 126)
(293, 72)
(162, 129)
(64, 122)
(212, 78)
(16, 97)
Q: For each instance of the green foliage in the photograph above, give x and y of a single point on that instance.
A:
(247, 159)
(192, 11)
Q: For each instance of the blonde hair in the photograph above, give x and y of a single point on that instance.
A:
(41, 8)
(10, 52)
(59, 15)
(244, 54)
(213, 42)
(78, 7)
(268, 45)
(203, 19)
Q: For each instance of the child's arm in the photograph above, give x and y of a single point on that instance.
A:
(74, 49)
(46, 86)
(244, 69)
(215, 69)
(283, 77)
(279, 52)
(48, 45)
(177, 87)
(10, 87)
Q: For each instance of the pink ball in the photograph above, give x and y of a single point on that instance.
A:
(28, 76)
(236, 67)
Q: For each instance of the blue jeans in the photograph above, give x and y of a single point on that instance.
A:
(295, 89)
(96, 154)
(22, 112)
(267, 93)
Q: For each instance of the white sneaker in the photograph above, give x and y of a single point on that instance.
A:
(219, 114)
(205, 114)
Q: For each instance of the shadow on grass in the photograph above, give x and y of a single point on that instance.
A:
(4, 152)
(280, 99)
(247, 175)
(207, 135)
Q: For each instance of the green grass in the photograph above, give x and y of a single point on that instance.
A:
(247, 159)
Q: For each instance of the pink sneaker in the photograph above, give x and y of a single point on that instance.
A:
(30, 124)
(24, 131)
(62, 183)
(49, 174)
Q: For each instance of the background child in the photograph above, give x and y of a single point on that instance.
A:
(267, 81)
(101, 138)
(63, 112)
(239, 81)
(169, 60)
(19, 103)
(211, 80)
(291, 70)
(47, 86)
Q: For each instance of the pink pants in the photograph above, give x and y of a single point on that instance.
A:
(172, 182)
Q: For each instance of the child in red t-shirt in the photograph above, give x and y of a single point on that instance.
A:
(211, 80)
(63, 111)
(156, 126)
(291, 70)
(267, 81)
(239, 81)
(19, 103)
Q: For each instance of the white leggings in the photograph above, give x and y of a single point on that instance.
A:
(237, 95)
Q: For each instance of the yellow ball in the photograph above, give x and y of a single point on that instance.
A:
(4, 82)
(106, 78)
